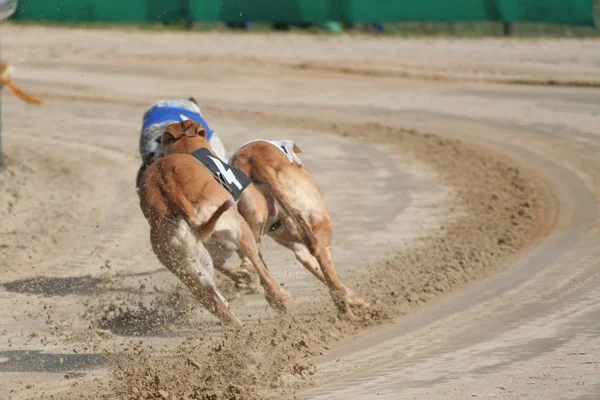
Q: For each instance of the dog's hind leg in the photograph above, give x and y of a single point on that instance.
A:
(195, 270)
(256, 209)
(312, 265)
(332, 280)
(203, 287)
(274, 294)
(241, 276)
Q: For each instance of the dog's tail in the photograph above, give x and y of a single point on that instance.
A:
(205, 229)
(269, 177)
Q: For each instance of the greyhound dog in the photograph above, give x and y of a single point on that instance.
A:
(286, 203)
(194, 226)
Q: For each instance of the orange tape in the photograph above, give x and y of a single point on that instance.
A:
(5, 80)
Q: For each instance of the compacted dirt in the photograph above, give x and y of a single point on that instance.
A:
(440, 168)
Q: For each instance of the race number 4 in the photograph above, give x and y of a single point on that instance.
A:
(226, 173)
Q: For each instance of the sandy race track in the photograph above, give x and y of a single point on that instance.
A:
(463, 178)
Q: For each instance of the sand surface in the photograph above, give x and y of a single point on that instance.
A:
(462, 179)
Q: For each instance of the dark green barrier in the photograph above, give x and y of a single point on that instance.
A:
(82, 10)
(168, 11)
(424, 10)
(570, 12)
(557, 11)
(293, 11)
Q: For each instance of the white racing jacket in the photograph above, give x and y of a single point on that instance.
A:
(285, 146)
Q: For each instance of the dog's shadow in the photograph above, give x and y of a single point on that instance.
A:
(169, 314)
(36, 361)
(173, 313)
(144, 321)
(124, 319)
(51, 286)
(84, 285)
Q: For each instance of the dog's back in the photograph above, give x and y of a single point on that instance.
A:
(289, 183)
(178, 186)
(257, 158)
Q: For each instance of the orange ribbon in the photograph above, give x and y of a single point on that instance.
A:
(5, 80)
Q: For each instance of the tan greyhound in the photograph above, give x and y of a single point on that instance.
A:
(286, 203)
(194, 226)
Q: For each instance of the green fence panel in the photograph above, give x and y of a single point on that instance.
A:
(35, 11)
(261, 10)
(168, 11)
(54, 10)
(74, 10)
(82, 11)
(579, 12)
(117, 11)
(205, 10)
(421, 10)
(290, 11)
(324, 10)
(572, 12)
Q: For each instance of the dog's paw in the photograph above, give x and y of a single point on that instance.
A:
(244, 289)
(285, 293)
(353, 300)
(244, 280)
(277, 304)
(356, 302)
(348, 315)
(277, 300)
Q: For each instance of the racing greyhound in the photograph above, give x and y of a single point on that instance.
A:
(194, 224)
(286, 203)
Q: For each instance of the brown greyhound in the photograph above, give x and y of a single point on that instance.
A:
(286, 203)
(194, 226)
